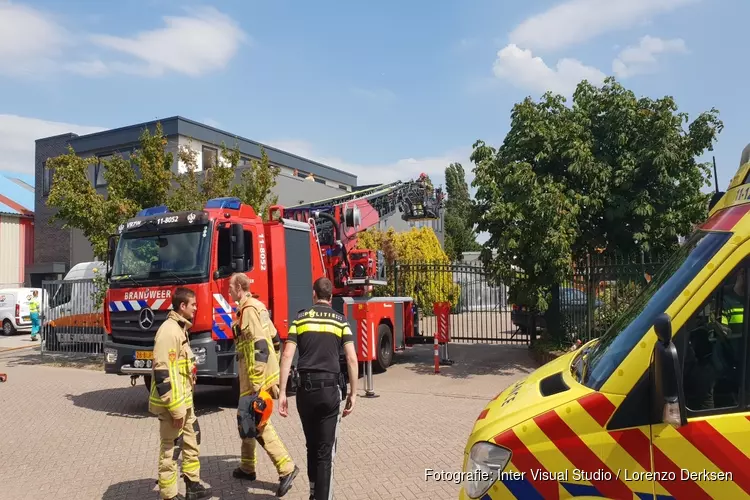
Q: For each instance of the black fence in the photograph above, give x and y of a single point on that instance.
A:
(72, 318)
(589, 301)
(480, 311)
(599, 290)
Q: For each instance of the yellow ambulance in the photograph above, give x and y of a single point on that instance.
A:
(657, 407)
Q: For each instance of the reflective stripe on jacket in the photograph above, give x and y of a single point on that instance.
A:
(172, 381)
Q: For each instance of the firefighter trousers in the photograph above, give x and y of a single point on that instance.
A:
(271, 442)
(173, 441)
(318, 409)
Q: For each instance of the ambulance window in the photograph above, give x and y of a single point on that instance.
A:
(711, 348)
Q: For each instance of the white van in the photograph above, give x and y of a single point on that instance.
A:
(14, 309)
(72, 315)
(74, 299)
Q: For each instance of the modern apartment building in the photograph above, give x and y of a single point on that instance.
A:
(56, 250)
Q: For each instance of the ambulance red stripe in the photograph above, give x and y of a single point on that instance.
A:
(580, 455)
(598, 406)
(637, 444)
(525, 461)
(719, 450)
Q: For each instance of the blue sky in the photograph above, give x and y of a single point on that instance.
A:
(383, 89)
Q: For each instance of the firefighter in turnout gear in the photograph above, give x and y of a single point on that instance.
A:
(171, 399)
(258, 368)
(320, 333)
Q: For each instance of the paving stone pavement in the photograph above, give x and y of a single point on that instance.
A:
(81, 434)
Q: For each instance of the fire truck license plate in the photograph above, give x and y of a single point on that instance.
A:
(144, 355)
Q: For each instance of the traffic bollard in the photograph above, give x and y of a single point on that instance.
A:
(437, 355)
(369, 385)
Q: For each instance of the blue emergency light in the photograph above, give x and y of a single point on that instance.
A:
(230, 203)
(161, 209)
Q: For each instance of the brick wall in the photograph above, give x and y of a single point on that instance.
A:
(51, 242)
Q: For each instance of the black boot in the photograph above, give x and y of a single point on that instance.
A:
(178, 497)
(195, 491)
(241, 474)
(285, 482)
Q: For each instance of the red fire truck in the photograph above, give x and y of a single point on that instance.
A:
(158, 250)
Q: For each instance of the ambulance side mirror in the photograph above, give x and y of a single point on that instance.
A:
(666, 388)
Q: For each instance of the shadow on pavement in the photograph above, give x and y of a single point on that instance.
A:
(33, 357)
(132, 402)
(469, 360)
(216, 473)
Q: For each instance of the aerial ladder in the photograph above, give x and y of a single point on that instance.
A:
(338, 220)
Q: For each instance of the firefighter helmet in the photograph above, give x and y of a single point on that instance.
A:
(263, 406)
(253, 412)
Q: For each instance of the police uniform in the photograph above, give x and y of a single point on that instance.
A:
(258, 362)
(172, 398)
(320, 334)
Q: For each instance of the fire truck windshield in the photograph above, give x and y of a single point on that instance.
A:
(174, 255)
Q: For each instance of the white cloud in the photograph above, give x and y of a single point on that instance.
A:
(201, 42)
(17, 136)
(33, 44)
(577, 21)
(30, 40)
(640, 59)
(521, 68)
(401, 169)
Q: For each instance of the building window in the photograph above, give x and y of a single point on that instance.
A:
(209, 157)
(319, 180)
(47, 176)
(99, 169)
(244, 161)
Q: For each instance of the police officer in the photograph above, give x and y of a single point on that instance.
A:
(171, 399)
(320, 333)
(258, 371)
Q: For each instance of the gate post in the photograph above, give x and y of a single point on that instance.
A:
(443, 312)
(366, 345)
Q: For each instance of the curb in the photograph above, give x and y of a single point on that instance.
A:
(9, 349)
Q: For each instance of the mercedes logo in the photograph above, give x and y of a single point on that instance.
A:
(146, 319)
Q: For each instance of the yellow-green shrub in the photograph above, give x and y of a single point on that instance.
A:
(428, 277)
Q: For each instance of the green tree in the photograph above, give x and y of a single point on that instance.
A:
(459, 231)
(419, 247)
(194, 189)
(612, 171)
(97, 215)
(256, 184)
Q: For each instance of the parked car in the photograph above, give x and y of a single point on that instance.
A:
(573, 304)
(14, 309)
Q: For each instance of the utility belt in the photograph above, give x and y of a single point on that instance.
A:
(317, 380)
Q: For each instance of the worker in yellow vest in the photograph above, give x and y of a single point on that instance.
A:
(733, 310)
(34, 313)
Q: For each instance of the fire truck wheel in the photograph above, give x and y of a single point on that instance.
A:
(385, 349)
(147, 382)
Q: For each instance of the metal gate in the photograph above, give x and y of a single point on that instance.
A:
(71, 319)
(480, 311)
